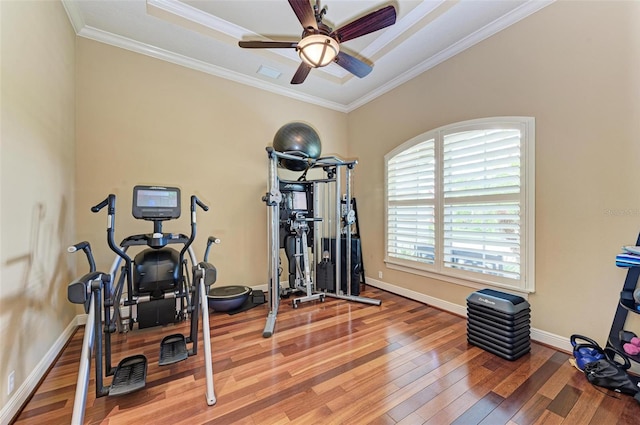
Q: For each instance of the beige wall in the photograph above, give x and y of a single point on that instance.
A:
(144, 121)
(575, 67)
(37, 172)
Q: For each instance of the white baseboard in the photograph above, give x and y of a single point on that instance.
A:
(538, 335)
(22, 394)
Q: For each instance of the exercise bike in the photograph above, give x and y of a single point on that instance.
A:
(152, 289)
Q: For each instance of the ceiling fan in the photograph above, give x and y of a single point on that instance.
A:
(320, 44)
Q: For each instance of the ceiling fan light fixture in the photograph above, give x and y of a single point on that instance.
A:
(318, 50)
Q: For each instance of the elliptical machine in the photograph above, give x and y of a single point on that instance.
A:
(152, 289)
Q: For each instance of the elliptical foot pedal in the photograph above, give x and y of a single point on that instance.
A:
(130, 375)
(173, 349)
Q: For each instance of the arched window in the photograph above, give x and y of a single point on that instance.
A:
(460, 203)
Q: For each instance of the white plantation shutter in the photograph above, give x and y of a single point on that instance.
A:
(481, 188)
(460, 202)
(411, 213)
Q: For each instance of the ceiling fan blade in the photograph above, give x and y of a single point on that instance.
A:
(268, 44)
(374, 21)
(304, 12)
(353, 65)
(301, 73)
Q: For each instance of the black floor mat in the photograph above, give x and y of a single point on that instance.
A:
(252, 301)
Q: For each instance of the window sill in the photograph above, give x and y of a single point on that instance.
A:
(471, 283)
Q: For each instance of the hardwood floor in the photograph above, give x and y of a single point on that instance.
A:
(338, 362)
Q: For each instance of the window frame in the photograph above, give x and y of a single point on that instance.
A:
(526, 282)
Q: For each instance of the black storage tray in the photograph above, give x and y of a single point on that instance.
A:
(507, 350)
(514, 327)
(502, 333)
(508, 339)
(510, 321)
(487, 324)
(507, 345)
(496, 322)
(509, 355)
(492, 312)
(501, 301)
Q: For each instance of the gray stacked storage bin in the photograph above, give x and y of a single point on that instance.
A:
(499, 323)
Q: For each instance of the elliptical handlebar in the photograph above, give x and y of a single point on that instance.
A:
(110, 201)
(210, 241)
(101, 205)
(79, 246)
(86, 247)
(194, 202)
(198, 202)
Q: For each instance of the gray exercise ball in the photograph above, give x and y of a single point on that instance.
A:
(300, 139)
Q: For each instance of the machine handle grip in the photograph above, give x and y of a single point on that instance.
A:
(86, 247)
(77, 247)
(202, 205)
(194, 201)
(198, 202)
(101, 205)
(210, 241)
(110, 201)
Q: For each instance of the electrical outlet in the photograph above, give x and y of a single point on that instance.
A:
(380, 275)
(12, 382)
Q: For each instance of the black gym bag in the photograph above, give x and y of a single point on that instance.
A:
(609, 374)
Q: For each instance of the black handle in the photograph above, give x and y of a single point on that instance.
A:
(584, 338)
(612, 353)
(194, 201)
(200, 203)
(86, 248)
(110, 201)
(79, 246)
(210, 241)
(101, 205)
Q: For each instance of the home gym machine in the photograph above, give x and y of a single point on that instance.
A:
(152, 289)
(306, 218)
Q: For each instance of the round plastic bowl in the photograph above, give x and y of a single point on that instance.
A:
(227, 298)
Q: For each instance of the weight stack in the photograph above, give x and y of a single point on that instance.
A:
(499, 323)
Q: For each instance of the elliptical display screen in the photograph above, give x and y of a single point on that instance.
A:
(156, 203)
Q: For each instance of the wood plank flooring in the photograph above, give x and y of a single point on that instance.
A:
(338, 362)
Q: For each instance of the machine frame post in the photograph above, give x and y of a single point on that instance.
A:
(272, 199)
(342, 222)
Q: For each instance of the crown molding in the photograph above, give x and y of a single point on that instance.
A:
(527, 9)
(193, 14)
(187, 12)
(198, 65)
(74, 15)
(395, 31)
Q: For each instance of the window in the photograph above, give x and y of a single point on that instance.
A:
(460, 203)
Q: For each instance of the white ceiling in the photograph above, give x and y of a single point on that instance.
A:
(204, 35)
